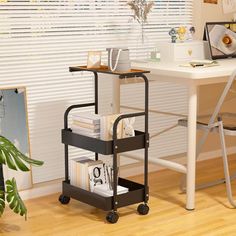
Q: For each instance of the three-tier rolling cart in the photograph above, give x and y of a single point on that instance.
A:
(138, 193)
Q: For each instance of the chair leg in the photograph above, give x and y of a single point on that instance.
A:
(226, 165)
(212, 183)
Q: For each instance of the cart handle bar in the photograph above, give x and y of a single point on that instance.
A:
(73, 107)
(121, 117)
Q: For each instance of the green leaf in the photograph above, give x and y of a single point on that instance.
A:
(31, 161)
(14, 199)
(2, 159)
(2, 202)
(9, 160)
(8, 182)
(20, 163)
(13, 158)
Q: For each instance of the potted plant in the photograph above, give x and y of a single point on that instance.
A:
(15, 160)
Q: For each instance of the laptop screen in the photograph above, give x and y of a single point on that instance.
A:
(222, 39)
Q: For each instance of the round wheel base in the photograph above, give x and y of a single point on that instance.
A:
(143, 209)
(112, 217)
(64, 199)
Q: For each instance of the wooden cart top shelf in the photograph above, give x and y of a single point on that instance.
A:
(104, 69)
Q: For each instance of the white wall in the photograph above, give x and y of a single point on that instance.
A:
(205, 12)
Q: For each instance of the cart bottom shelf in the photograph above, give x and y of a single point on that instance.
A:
(136, 194)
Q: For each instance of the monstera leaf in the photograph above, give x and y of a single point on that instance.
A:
(13, 158)
(13, 198)
(2, 202)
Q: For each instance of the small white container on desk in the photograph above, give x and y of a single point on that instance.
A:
(183, 51)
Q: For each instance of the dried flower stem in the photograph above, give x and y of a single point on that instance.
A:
(141, 9)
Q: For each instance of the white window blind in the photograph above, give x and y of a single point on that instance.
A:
(40, 39)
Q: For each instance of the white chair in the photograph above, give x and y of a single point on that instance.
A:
(224, 124)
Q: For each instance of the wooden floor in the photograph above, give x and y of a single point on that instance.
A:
(213, 215)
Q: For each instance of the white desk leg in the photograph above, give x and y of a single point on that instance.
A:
(191, 153)
(116, 95)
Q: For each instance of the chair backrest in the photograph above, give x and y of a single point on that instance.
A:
(222, 98)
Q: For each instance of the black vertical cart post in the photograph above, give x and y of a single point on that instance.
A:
(138, 193)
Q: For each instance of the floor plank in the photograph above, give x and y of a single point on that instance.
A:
(213, 215)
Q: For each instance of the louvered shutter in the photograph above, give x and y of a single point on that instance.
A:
(39, 40)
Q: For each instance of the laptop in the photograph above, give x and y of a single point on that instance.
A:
(221, 37)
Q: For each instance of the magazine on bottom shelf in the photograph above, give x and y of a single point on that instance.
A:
(104, 188)
(105, 191)
(97, 175)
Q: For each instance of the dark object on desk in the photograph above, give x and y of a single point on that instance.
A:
(196, 65)
(173, 35)
(221, 37)
(204, 63)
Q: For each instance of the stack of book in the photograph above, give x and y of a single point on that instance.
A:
(86, 173)
(86, 124)
(93, 176)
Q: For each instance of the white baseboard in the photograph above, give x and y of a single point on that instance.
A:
(43, 189)
(51, 187)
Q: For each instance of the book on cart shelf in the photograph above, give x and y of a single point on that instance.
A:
(101, 126)
(97, 175)
(94, 129)
(106, 127)
(96, 126)
(90, 133)
(86, 124)
(79, 174)
(86, 117)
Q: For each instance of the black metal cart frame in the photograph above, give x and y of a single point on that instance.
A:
(137, 192)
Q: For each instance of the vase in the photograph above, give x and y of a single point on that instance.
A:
(142, 43)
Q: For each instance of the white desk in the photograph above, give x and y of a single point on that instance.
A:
(192, 77)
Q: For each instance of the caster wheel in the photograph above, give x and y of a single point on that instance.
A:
(64, 199)
(112, 217)
(143, 209)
